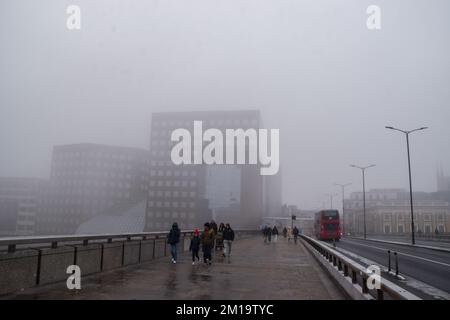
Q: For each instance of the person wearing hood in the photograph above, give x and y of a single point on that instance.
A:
(194, 247)
(173, 238)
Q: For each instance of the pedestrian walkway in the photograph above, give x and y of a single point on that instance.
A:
(256, 270)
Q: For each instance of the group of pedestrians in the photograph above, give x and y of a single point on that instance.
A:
(290, 234)
(205, 241)
(271, 234)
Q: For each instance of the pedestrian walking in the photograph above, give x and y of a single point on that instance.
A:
(265, 234)
(173, 238)
(289, 234)
(219, 237)
(295, 232)
(269, 234)
(285, 232)
(194, 247)
(228, 238)
(207, 242)
(275, 234)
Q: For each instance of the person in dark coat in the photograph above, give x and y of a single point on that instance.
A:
(219, 237)
(194, 247)
(284, 232)
(207, 242)
(173, 238)
(213, 225)
(296, 233)
(228, 238)
(269, 234)
(275, 234)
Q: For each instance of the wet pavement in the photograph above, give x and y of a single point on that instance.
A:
(255, 271)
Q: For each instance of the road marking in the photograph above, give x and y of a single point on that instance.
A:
(404, 254)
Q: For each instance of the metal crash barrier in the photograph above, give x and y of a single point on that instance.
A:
(357, 275)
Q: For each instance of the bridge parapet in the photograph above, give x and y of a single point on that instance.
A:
(353, 276)
(31, 261)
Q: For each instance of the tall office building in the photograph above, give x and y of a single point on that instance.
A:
(273, 195)
(90, 179)
(19, 201)
(192, 194)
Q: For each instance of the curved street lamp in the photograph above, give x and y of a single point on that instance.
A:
(413, 240)
(343, 206)
(363, 169)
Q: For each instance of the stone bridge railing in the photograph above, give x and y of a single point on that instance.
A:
(32, 261)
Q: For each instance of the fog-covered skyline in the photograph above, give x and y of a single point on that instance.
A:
(312, 68)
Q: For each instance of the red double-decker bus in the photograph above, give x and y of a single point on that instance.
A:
(326, 225)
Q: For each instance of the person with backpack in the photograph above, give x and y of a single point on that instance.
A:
(173, 238)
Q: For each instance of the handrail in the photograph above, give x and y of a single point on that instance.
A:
(12, 242)
(352, 269)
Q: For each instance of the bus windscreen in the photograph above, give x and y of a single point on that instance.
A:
(330, 213)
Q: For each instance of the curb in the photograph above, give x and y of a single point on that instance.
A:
(404, 244)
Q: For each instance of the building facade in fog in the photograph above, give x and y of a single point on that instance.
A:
(19, 201)
(443, 181)
(388, 212)
(273, 195)
(196, 193)
(90, 179)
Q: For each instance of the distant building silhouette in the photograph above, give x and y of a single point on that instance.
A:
(90, 179)
(388, 212)
(195, 193)
(443, 181)
(19, 202)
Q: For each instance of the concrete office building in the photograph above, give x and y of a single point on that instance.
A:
(90, 179)
(192, 194)
(19, 201)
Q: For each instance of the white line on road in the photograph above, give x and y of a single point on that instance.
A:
(404, 254)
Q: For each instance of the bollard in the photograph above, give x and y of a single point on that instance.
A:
(389, 260)
(396, 263)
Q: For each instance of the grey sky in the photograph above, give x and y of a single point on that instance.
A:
(312, 68)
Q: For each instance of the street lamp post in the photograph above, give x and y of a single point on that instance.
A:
(413, 240)
(343, 206)
(363, 170)
(331, 198)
